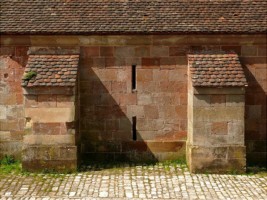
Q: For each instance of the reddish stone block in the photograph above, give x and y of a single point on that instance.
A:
(262, 51)
(118, 87)
(159, 51)
(219, 128)
(106, 51)
(179, 51)
(21, 51)
(151, 112)
(150, 62)
(87, 52)
(167, 63)
(49, 128)
(218, 100)
(142, 51)
(181, 112)
(128, 99)
(236, 49)
(7, 50)
(138, 146)
(144, 75)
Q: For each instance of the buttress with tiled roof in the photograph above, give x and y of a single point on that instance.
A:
(131, 16)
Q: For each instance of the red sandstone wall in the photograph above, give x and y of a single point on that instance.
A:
(12, 63)
(107, 102)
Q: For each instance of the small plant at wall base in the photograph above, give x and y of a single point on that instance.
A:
(8, 164)
(29, 75)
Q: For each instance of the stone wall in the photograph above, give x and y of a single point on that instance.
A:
(159, 103)
(12, 62)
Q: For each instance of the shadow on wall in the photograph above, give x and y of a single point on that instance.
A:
(255, 113)
(109, 118)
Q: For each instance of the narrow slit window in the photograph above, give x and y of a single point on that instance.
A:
(133, 77)
(134, 128)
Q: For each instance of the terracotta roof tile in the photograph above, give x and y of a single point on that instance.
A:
(51, 70)
(216, 69)
(132, 16)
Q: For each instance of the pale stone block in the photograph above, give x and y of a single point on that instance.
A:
(217, 114)
(144, 99)
(5, 135)
(50, 114)
(3, 112)
(48, 139)
(236, 132)
(201, 100)
(135, 110)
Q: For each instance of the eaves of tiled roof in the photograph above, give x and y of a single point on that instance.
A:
(133, 16)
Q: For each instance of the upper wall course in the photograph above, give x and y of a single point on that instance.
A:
(132, 17)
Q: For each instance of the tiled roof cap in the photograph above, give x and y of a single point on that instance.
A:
(51, 70)
(132, 16)
(216, 69)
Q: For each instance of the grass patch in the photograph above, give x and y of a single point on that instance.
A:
(9, 165)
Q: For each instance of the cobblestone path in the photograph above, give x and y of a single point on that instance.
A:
(133, 182)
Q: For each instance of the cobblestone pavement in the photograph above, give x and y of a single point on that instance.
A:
(133, 182)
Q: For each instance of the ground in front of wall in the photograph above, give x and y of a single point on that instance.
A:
(132, 181)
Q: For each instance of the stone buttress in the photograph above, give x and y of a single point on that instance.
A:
(49, 85)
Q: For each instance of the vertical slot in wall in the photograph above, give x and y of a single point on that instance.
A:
(134, 128)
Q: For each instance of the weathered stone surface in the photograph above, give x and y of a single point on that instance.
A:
(50, 114)
(49, 140)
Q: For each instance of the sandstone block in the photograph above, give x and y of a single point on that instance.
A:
(160, 74)
(150, 62)
(49, 140)
(99, 62)
(3, 112)
(249, 50)
(106, 51)
(254, 112)
(217, 100)
(144, 99)
(5, 135)
(50, 114)
(92, 51)
(262, 51)
(201, 100)
(144, 75)
(123, 52)
(135, 110)
(235, 100)
(45, 101)
(168, 63)
(128, 99)
(169, 39)
(179, 50)
(151, 112)
(219, 128)
(159, 51)
(164, 146)
(142, 51)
